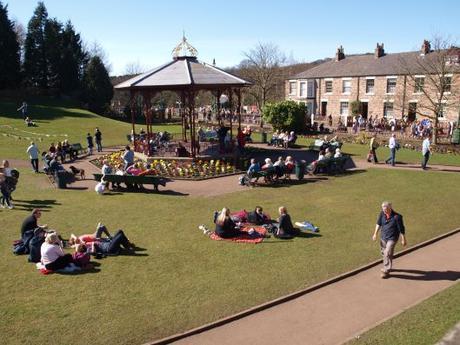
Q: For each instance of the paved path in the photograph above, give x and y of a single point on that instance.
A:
(342, 310)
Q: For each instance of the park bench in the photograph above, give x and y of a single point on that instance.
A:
(318, 144)
(132, 181)
(330, 166)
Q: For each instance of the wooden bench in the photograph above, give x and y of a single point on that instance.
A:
(131, 181)
(332, 146)
(330, 166)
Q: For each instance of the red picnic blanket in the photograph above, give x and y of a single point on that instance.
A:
(244, 238)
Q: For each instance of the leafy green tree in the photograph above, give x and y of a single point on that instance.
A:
(52, 41)
(35, 64)
(355, 107)
(285, 115)
(98, 90)
(73, 59)
(10, 52)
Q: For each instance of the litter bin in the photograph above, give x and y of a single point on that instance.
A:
(60, 177)
(264, 137)
(300, 167)
(456, 136)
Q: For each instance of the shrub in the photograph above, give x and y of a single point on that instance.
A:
(285, 115)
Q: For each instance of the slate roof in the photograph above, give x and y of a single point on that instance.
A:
(184, 72)
(368, 65)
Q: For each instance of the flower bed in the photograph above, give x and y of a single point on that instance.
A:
(196, 169)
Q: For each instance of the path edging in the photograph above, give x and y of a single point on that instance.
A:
(293, 295)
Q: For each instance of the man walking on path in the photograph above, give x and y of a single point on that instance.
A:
(392, 145)
(391, 226)
(373, 145)
(426, 151)
(33, 152)
(98, 137)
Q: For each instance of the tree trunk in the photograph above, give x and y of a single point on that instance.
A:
(434, 137)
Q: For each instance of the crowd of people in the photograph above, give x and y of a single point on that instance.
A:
(272, 171)
(283, 139)
(46, 247)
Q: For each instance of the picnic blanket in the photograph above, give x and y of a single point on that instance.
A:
(69, 269)
(244, 238)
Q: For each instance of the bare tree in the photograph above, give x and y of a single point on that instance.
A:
(262, 65)
(96, 49)
(134, 68)
(435, 75)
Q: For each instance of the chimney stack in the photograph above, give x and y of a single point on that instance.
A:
(426, 47)
(339, 55)
(379, 51)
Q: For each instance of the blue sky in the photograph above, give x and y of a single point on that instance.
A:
(147, 31)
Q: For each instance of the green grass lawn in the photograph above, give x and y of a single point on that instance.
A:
(424, 324)
(183, 279)
(57, 122)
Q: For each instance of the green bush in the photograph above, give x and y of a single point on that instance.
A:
(285, 115)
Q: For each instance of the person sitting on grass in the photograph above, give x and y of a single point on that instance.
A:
(52, 255)
(285, 227)
(81, 258)
(258, 217)
(29, 122)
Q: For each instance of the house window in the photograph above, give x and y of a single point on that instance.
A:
(446, 83)
(391, 85)
(388, 109)
(311, 89)
(419, 83)
(303, 89)
(346, 86)
(328, 84)
(293, 88)
(370, 85)
(344, 108)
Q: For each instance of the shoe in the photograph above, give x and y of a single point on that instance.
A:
(11, 207)
(2, 206)
(384, 274)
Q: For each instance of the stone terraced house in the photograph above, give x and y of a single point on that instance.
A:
(389, 85)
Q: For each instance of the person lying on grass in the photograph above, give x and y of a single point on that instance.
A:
(86, 238)
(111, 245)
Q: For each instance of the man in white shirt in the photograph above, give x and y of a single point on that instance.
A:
(392, 145)
(426, 151)
(33, 152)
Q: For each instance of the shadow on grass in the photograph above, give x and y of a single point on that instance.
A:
(304, 234)
(77, 188)
(29, 205)
(118, 191)
(39, 113)
(425, 275)
(289, 183)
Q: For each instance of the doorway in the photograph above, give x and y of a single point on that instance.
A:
(323, 108)
(412, 111)
(364, 109)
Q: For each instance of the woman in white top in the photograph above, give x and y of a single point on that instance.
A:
(337, 153)
(53, 257)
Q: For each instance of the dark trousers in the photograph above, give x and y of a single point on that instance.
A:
(99, 146)
(374, 153)
(118, 240)
(59, 263)
(6, 196)
(34, 163)
(426, 157)
(392, 159)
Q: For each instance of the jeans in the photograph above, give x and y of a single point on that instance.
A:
(102, 230)
(392, 158)
(426, 157)
(34, 162)
(374, 153)
(99, 146)
(114, 245)
(6, 196)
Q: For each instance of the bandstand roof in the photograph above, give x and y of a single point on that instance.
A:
(184, 72)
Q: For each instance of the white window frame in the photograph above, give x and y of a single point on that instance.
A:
(347, 109)
(415, 86)
(291, 82)
(373, 87)
(303, 95)
(386, 86)
(343, 86)
(385, 115)
(450, 75)
(311, 88)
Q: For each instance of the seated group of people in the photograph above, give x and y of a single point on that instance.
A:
(283, 139)
(29, 122)
(228, 226)
(58, 152)
(51, 246)
(323, 155)
(282, 167)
